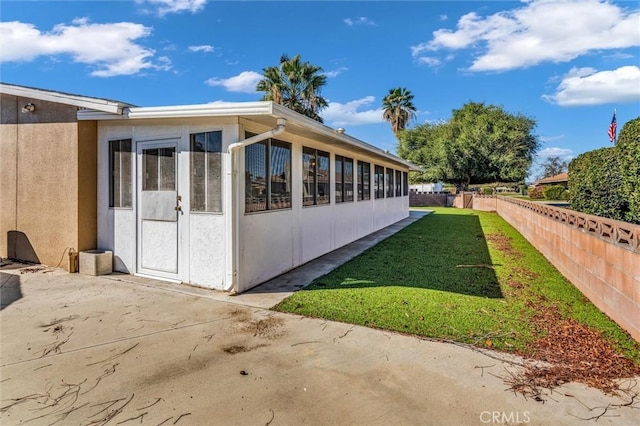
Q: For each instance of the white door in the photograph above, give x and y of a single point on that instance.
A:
(159, 209)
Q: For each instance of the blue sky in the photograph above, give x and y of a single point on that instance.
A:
(567, 64)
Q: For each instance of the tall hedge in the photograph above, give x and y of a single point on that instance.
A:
(596, 184)
(628, 148)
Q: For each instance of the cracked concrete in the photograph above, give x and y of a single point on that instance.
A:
(90, 350)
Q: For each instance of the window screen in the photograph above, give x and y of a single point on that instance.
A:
(120, 182)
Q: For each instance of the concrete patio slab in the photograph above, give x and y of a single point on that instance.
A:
(79, 349)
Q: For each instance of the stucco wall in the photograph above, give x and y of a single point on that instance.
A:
(48, 205)
(273, 242)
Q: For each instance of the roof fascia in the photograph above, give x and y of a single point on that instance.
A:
(319, 128)
(95, 104)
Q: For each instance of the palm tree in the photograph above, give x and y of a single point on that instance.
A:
(296, 85)
(398, 108)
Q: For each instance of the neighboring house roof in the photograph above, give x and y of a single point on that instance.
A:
(561, 178)
(96, 104)
(262, 112)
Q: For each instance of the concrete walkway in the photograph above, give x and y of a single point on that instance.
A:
(272, 292)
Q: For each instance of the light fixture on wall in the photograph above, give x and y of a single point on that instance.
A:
(340, 130)
(30, 107)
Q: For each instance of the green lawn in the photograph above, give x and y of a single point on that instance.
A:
(459, 275)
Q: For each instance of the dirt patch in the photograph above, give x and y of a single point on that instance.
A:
(571, 352)
(503, 243)
(238, 349)
(267, 328)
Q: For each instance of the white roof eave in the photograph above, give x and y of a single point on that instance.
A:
(246, 110)
(96, 104)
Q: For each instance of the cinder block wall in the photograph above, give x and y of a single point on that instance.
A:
(601, 257)
(485, 203)
(425, 199)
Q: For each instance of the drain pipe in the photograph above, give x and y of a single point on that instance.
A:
(233, 199)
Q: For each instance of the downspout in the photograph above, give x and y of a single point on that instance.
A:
(233, 199)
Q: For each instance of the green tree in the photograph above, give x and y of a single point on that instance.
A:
(424, 145)
(552, 166)
(296, 85)
(480, 144)
(628, 151)
(398, 108)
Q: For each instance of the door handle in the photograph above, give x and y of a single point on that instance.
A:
(178, 208)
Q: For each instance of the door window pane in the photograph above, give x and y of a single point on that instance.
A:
(150, 169)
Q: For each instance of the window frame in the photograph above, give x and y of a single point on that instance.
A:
(405, 183)
(124, 153)
(316, 199)
(364, 180)
(389, 186)
(209, 208)
(269, 165)
(378, 182)
(343, 179)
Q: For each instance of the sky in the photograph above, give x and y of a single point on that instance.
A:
(566, 64)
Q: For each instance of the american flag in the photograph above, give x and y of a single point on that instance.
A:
(612, 128)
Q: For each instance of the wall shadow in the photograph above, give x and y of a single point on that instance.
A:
(19, 247)
(9, 289)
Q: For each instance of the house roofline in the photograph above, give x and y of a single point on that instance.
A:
(246, 110)
(95, 104)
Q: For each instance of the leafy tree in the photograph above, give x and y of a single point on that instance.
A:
(398, 108)
(596, 184)
(296, 85)
(424, 145)
(553, 166)
(480, 144)
(628, 150)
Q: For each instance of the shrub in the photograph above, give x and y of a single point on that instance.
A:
(628, 149)
(536, 193)
(595, 183)
(486, 190)
(555, 192)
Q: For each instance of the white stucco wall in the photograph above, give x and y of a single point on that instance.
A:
(273, 242)
(201, 236)
(269, 243)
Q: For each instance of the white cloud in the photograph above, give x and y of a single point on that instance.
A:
(348, 114)
(587, 86)
(362, 20)
(551, 138)
(539, 31)
(429, 60)
(336, 72)
(245, 82)
(555, 152)
(164, 7)
(202, 48)
(443, 17)
(110, 48)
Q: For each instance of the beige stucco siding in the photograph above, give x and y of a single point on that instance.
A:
(48, 197)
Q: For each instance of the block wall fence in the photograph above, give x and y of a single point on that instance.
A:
(601, 257)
